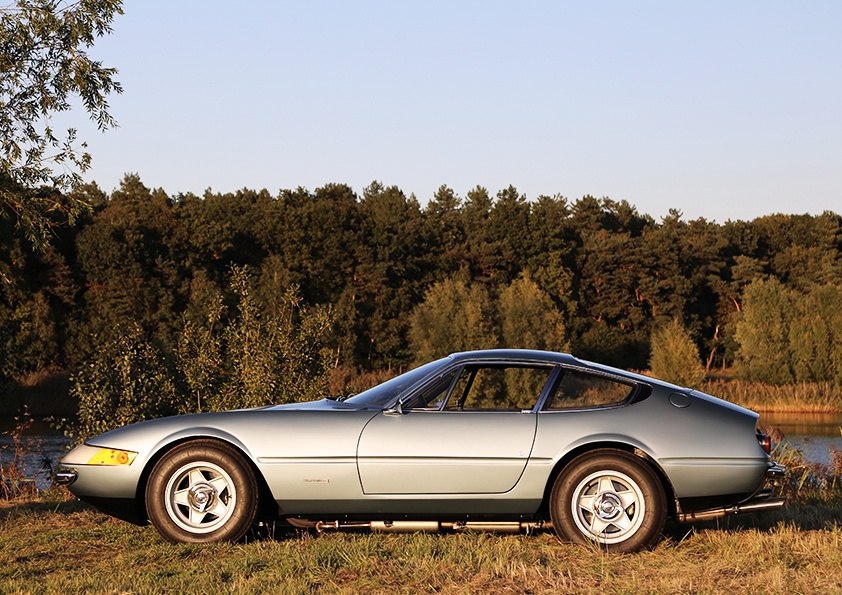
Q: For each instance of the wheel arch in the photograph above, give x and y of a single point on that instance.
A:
(265, 503)
(563, 462)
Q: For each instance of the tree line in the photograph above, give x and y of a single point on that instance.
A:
(405, 282)
(160, 303)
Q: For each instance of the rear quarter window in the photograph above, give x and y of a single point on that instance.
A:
(582, 390)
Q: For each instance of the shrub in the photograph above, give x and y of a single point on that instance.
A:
(263, 359)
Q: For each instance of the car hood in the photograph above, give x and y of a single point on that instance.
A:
(150, 434)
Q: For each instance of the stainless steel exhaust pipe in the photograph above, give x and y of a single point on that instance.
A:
(714, 513)
(421, 526)
(405, 526)
(341, 525)
(490, 527)
(771, 504)
(498, 527)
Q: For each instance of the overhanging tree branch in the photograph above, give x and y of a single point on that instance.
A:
(43, 64)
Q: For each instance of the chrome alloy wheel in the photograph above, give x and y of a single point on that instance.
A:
(200, 497)
(608, 506)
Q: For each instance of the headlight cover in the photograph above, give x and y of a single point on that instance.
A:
(85, 454)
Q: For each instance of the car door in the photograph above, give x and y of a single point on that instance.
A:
(469, 431)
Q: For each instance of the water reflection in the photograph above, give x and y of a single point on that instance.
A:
(38, 448)
(814, 434)
(808, 424)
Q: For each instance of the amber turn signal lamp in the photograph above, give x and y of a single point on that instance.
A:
(112, 456)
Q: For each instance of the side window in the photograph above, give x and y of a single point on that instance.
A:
(581, 390)
(433, 395)
(496, 387)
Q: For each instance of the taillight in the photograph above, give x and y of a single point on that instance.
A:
(765, 442)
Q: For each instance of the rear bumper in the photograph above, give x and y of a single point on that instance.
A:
(775, 473)
(765, 499)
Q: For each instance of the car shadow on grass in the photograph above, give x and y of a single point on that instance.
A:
(25, 506)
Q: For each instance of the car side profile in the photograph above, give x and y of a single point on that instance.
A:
(505, 440)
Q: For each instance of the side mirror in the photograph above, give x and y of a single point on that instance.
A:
(397, 409)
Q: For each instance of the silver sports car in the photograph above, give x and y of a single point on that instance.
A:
(502, 440)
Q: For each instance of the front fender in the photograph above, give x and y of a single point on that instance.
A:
(197, 433)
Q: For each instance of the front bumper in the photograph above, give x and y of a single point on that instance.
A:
(65, 477)
(765, 499)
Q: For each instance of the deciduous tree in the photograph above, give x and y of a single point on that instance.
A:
(675, 356)
(454, 316)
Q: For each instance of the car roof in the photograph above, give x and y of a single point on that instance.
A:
(524, 355)
(553, 357)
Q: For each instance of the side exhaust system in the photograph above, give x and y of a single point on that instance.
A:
(419, 526)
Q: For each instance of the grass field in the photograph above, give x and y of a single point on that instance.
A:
(56, 545)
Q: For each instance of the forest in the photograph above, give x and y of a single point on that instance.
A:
(377, 282)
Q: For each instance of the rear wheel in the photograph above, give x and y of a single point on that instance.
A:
(202, 491)
(611, 498)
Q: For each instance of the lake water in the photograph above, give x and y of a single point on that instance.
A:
(37, 450)
(41, 446)
(814, 434)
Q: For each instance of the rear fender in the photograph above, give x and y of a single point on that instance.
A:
(615, 441)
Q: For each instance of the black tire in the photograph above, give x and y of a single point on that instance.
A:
(202, 491)
(610, 498)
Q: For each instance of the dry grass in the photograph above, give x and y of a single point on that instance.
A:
(812, 397)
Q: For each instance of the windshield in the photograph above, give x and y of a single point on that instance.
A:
(382, 394)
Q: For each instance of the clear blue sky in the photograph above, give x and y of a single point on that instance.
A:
(722, 109)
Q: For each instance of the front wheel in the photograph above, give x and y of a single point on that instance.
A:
(611, 498)
(202, 491)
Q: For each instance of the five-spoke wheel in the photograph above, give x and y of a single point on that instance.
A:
(201, 491)
(609, 497)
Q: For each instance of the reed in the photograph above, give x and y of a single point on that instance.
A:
(805, 397)
(806, 481)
